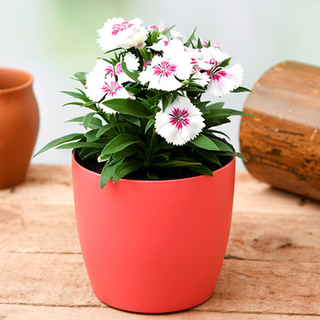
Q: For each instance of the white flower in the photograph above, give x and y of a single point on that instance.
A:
(95, 79)
(160, 27)
(132, 64)
(162, 72)
(161, 44)
(131, 61)
(180, 122)
(117, 32)
(225, 80)
(209, 58)
(201, 78)
(101, 83)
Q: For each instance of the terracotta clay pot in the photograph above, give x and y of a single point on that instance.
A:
(19, 124)
(154, 246)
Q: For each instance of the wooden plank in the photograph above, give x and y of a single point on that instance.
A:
(43, 185)
(244, 286)
(38, 228)
(267, 287)
(21, 312)
(264, 236)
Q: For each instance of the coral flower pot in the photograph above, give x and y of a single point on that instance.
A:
(19, 124)
(154, 246)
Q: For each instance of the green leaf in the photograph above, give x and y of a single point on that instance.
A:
(204, 142)
(128, 107)
(218, 113)
(107, 173)
(119, 143)
(90, 105)
(134, 90)
(152, 176)
(202, 169)
(125, 168)
(199, 44)
(240, 113)
(210, 155)
(218, 105)
(73, 103)
(92, 135)
(64, 139)
(81, 76)
(82, 144)
(95, 123)
(131, 119)
(239, 155)
(133, 75)
(165, 32)
(87, 119)
(241, 89)
(112, 125)
(177, 163)
(116, 49)
(218, 132)
(221, 145)
(225, 63)
(127, 152)
(76, 95)
(89, 152)
(77, 119)
(165, 98)
(149, 125)
(191, 38)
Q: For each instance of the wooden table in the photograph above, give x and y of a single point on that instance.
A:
(271, 270)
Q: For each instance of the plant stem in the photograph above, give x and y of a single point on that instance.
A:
(144, 54)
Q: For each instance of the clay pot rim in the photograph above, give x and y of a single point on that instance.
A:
(230, 163)
(19, 87)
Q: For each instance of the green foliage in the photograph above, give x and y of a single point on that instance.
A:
(126, 142)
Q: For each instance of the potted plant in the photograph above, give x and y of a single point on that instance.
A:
(153, 181)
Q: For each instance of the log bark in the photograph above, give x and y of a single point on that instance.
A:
(282, 145)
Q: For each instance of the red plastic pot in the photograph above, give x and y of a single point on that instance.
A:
(154, 246)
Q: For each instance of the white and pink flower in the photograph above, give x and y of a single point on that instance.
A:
(180, 122)
(101, 83)
(162, 73)
(165, 72)
(225, 80)
(117, 32)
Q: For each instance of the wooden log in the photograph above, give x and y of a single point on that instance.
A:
(282, 145)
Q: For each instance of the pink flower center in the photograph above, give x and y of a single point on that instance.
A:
(109, 71)
(120, 27)
(119, 68)
(217, 76)
(164, 69)
(179, 118)
(111, 88)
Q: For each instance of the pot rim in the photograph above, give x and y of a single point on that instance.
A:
(19, 87)
(230, 163)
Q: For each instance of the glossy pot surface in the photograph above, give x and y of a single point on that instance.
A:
(154, 246)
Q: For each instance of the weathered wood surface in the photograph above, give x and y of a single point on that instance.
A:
(272, 270)
(283, 144)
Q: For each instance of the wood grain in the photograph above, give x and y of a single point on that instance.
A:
(271, 270)
(283, 145)
(17, 312)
